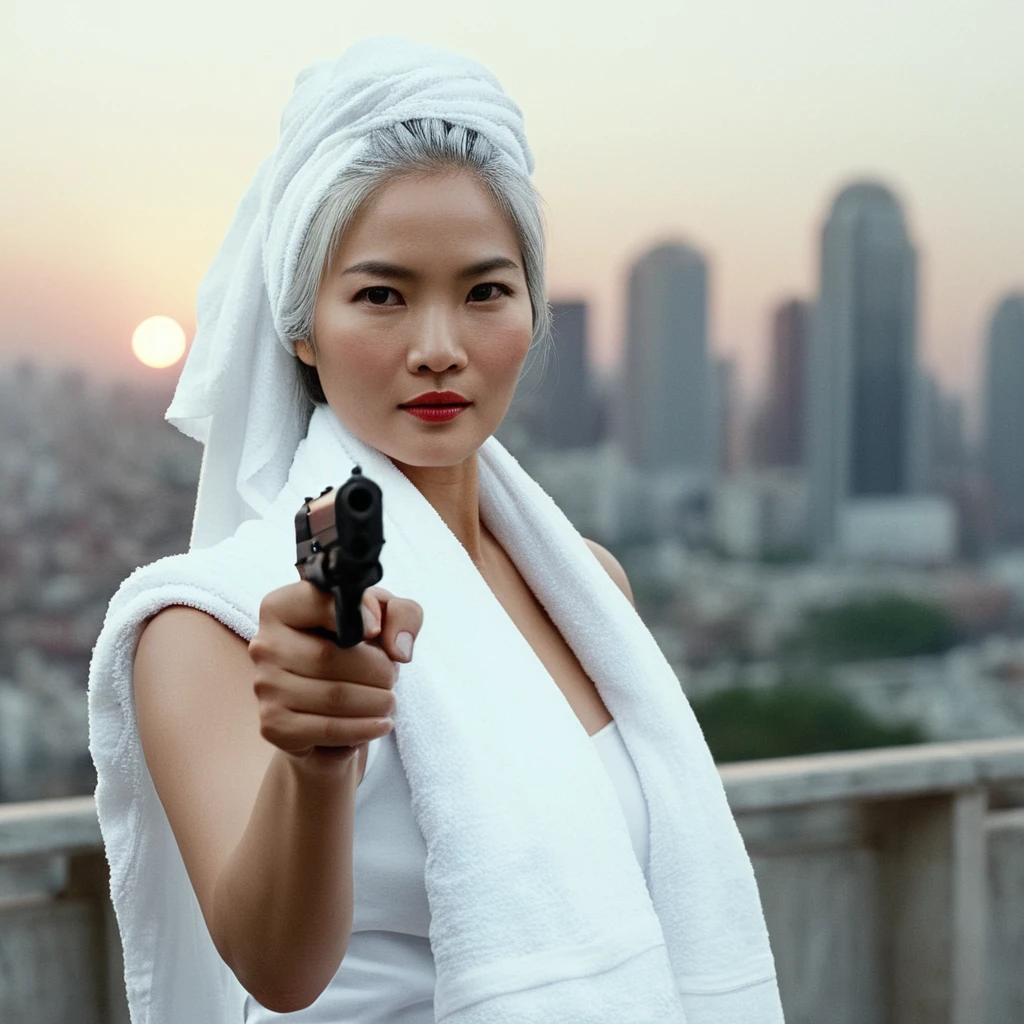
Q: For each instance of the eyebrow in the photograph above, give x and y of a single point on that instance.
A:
(382, 269)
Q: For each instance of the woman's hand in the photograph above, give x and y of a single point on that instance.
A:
(318, 702)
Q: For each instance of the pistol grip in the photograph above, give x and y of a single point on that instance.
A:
(348, 617)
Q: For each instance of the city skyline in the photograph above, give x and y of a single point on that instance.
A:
(729, 129)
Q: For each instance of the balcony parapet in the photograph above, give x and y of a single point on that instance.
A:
(892, 882)
(40, 828)
(882, 773)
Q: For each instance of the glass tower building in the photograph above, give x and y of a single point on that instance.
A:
(1004, 418)
(864, 407)
(665, 407)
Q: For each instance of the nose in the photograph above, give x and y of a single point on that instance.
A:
(437, 348)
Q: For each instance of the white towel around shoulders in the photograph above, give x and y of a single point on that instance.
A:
(539, 910)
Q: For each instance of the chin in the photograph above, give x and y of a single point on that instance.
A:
(425, 460)
(446, 448)
(438, 453)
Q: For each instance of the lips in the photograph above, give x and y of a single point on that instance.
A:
(435, 413)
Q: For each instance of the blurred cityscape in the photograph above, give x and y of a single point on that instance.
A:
(840, 566)
(93, 483)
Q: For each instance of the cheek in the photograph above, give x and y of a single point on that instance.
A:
(348, 347)
(358, 363)
(510, 348)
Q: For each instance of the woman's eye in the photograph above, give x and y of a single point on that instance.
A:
(377, 295)
(503, 289)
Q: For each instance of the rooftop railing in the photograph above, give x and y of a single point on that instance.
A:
(892, 882)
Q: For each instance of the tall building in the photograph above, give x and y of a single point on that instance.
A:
(864, 394)
(946, 449)
(665, 408)
(785, 407)
(1004, 418)
(723, 418)
(556, 405)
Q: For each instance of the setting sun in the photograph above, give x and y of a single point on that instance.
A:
(159, 342)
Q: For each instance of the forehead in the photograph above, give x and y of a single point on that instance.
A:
(445, 210)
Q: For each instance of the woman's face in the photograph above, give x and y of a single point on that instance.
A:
(430, 317)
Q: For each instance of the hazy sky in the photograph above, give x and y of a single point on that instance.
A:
(132, 129)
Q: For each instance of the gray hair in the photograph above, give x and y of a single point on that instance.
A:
(418, 146)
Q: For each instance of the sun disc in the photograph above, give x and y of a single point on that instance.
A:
(158, 342)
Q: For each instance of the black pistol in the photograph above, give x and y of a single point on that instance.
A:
(338, 538)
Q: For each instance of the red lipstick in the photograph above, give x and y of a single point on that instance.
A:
(436, 406)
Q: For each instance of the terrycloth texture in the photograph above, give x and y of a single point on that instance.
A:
(238, 392)
(539, 909)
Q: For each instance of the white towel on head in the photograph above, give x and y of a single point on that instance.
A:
(238, 392)
(539, 909)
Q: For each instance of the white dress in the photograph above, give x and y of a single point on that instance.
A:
(387, 975)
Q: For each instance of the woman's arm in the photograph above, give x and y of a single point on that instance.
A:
(264, 822)
(268, 850)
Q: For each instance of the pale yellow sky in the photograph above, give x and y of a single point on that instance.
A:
(132, 129)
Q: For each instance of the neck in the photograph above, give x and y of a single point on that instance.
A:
(454, 493)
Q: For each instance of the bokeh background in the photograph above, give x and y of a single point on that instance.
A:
(131, 131)
(719, 136)
(786, 259)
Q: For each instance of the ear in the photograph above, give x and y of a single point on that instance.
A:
(304, 350)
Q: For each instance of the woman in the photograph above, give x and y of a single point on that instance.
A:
(408, 293)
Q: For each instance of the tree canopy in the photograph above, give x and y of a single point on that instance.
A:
(882, 626)
(791, 718)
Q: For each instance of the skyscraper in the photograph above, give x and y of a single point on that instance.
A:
(864, 407)
(664, 412)
(1004, 418)
(785, 408)
(723, 400)
(556, 402)
(945, 447)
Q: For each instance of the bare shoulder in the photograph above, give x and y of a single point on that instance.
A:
(199, 728)
(612, 567)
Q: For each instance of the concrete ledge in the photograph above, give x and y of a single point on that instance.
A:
(885, 772)
(892, 882)
(999, 822)
(42, 827)
(68, 825)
